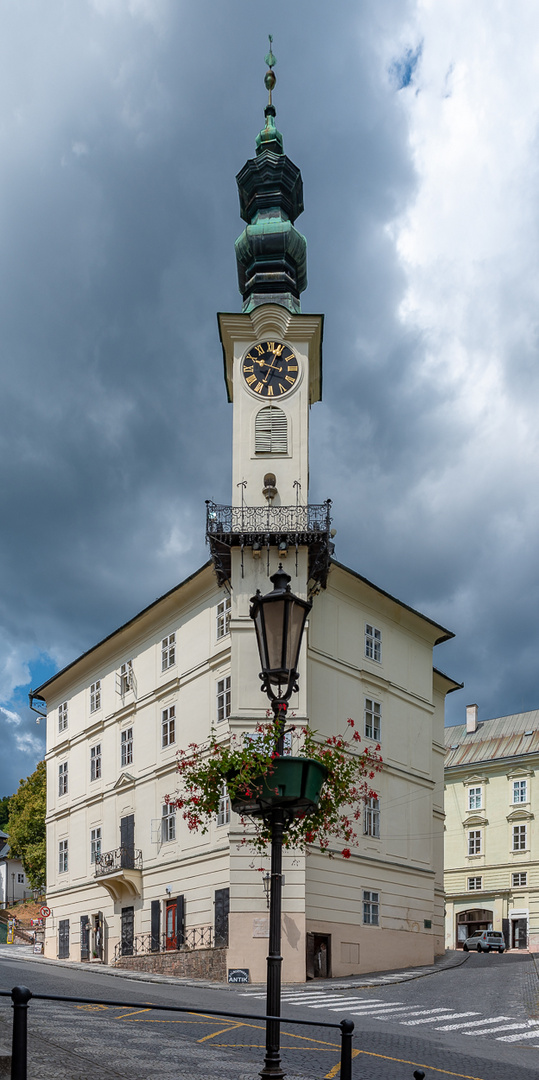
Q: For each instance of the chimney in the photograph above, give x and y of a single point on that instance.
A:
(471, 719)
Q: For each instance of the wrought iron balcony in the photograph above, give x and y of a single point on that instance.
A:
(122, 858)
(263, 527)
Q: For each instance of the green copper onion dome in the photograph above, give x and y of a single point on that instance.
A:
(271, 254)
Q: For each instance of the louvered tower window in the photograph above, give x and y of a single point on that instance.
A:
(271, 432)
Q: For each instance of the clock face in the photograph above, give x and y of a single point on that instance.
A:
(270, 369)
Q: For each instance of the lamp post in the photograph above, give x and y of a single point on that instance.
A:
(279, 619)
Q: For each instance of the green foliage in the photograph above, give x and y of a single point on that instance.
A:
(26, 825)
(4, 812)
(242, 762)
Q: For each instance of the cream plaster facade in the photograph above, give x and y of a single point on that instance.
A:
(492, 834)
(403, 866)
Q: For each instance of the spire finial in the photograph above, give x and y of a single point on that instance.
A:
(269, 77)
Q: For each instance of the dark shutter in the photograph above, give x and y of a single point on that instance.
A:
(180, 921)
(310, 956)
(84, 937)
(128, 922)
(127, 841)
(222, 905)
(506, 933)
(156, 925)
(100, 935)
(63, 939)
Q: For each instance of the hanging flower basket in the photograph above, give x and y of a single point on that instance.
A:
(293, 784)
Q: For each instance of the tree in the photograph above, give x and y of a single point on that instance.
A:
(4, 812)
(26, 825)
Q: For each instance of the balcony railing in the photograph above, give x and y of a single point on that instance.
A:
(307, 521)
(122, 858)
(195, 937)
(263, 527)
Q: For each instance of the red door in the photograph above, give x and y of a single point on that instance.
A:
(171, 927)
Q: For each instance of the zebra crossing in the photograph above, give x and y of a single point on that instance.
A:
(502, 1028)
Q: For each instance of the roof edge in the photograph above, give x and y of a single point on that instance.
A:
(446, 634)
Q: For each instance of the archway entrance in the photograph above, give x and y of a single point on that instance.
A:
(470, 921)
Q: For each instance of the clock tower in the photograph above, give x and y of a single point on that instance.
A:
(273, 373)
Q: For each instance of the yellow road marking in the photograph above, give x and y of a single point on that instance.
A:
(214, 1034)
(92, 1008)
(337, 1068)
(135, 1012)
(419, 1065)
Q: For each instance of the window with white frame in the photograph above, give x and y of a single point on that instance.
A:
(475, 884)
(371, 907)
(95, 696)
(223, 699)
(475, 798)
(95, 762)
(125, 680)
(95, 843)
(223, 617)
(168, 823)
(371, 824)
(519, 837)
(474, 841)
(20, 879)
(168, 726)
(62, 716)
(373, 719)
(520, 791)
(520, 879)
(62, 778)
(373, 642)
(168, 652)
(62, 856)
(223, 812)
(127, 747)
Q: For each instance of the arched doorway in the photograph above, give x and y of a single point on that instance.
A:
(470, 921)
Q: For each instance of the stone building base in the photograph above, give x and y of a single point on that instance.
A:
(192, 964)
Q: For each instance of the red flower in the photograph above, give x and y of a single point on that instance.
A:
(346, 853)
(350, 722)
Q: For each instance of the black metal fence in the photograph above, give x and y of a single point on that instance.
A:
(194, 937)
(122, 858)
(21, 997)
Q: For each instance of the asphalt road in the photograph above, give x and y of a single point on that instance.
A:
(455, 1023)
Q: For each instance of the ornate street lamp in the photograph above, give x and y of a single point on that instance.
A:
(279, 619)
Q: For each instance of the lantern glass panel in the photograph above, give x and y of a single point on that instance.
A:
(275, 616)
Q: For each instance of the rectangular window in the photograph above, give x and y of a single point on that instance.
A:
(95, 762)
(62, 716)
(475, 798)
(519, 837)
(223, 699)
(519, 880)
(371, 825)
(520, 791)
(168, 824)
(62, 778)
(474, 842)
(20, 879)
(95, 844)
(62, 857)
(125, 679)
(168, 726)
(223, 813)
(371, 907)
(373, 643)
(373, 717)
(127, 747)
(95, 696)
(223, 617)
(475, 883)
(168, 652)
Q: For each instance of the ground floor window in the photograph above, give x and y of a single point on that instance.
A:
(475, 883)
(371, 907)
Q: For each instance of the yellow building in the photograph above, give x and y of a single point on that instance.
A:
(491, 833)
(125, 878)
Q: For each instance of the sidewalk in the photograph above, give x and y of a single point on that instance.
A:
(452, 958)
